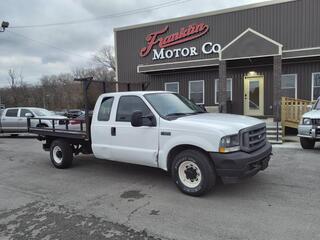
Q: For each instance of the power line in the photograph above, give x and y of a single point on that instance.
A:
(121, 14)
(48, 45)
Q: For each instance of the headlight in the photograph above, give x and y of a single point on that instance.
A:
(306, 121)
(229, 144)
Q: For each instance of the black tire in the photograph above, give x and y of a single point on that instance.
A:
(307, 143)
(196, 161)
(61, 154)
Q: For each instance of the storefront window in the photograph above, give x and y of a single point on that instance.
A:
(229, 90)
(289, 85)
(196, 91)
(172, 87)
(315, 86)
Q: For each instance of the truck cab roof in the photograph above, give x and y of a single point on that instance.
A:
(136, 93)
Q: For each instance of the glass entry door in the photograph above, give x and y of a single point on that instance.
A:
(253, 96)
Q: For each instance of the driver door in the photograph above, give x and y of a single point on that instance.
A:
(138, 145)
(23, 119)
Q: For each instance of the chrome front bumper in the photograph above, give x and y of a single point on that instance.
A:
(309, 131)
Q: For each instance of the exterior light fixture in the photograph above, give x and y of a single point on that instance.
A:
(252, 73)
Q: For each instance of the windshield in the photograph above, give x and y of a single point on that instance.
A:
(317, 105)
(40, 112)
(172, 104)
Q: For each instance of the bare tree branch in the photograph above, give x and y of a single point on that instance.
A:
(105, 56)
(12, 78)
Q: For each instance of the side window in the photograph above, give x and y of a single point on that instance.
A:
(216, 89)
(315, 86)
(128, 105)
(105, 109)
(289, 85)
(171, 86)
(196, 91)
(12, 112)
(24, 111)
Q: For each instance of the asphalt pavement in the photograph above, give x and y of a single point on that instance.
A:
(98, 199)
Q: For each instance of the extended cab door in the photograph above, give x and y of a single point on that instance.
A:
(101, 128)
(138, 145)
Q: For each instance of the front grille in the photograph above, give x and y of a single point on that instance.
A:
(316, 122)
(62, 122)
(253, 138)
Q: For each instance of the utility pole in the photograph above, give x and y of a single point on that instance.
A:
(1, 105)
(4, 25)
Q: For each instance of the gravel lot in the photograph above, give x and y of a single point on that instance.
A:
(97, 199)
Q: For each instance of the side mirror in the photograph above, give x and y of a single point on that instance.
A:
(136, 119)
(28, 115)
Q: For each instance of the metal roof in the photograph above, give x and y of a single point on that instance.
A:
(211, 13)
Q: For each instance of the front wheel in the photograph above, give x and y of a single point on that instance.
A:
(61, 154)
(193, 173)
(307, 143)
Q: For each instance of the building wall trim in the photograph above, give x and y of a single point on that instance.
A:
(178, 65)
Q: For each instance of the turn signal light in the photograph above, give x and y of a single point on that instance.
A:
(222, 150)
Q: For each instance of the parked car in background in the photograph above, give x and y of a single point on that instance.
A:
(14, 120)
(2, 106)
(73, 113)
(60, 113)
(309, 128)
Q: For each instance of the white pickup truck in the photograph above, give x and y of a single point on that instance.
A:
(309, 127)
(167, 131)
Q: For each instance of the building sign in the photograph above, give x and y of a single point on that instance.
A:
(185, 34)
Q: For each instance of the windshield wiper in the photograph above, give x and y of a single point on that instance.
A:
(176, 114)
(198, 112)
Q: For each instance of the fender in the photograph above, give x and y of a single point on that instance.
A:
(197, 141)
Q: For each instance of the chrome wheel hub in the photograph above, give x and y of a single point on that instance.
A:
(57, 154)
(189, 174)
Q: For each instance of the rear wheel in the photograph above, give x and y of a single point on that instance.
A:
(61, 154)
(193, 173)
(307, 143)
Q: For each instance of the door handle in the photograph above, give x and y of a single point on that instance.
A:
(113, 131)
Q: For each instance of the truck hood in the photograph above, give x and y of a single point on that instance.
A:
(225, 123)
(312, 114)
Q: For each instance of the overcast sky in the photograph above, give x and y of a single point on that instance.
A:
(63, 48)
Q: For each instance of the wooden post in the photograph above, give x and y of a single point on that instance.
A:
(283, 117)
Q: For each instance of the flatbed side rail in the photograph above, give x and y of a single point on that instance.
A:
(35, 125)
